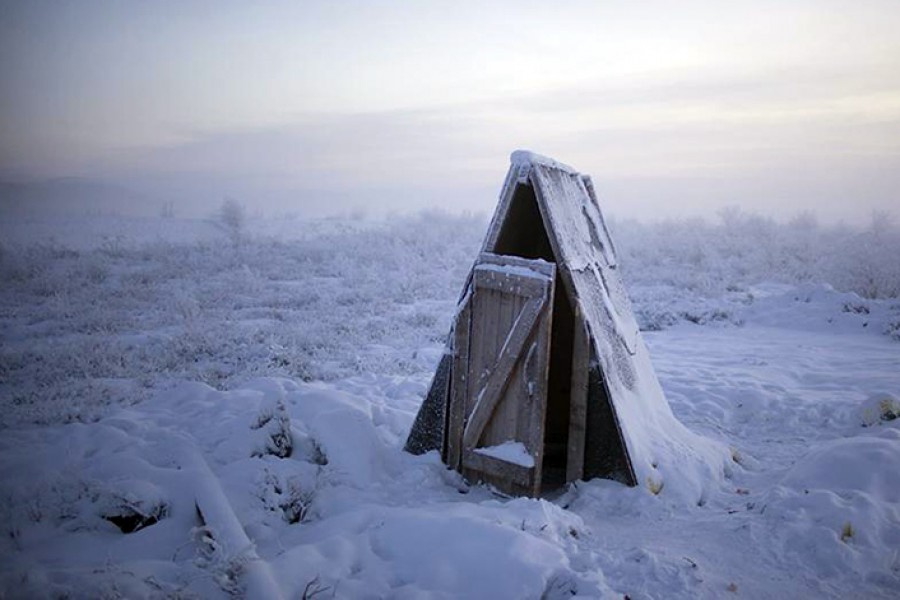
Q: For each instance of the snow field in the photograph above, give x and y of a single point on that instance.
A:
(797, 405)
(279, 376)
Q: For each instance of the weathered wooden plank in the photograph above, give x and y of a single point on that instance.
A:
(499, 469)
(487, 397)
(537, 374)
(538, 266)
(592, 195)
(523, 392)
(578, 400)
(502, 424)
(483, 348)
(509, 283)
(485, 342)
(459, 384)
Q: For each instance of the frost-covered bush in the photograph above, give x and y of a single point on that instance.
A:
(232, 217)
(708, 258)
(867, 262)
(103, 326)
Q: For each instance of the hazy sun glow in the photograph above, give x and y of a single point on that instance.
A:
(673, 108)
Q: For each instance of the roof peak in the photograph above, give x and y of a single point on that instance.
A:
(527, 157)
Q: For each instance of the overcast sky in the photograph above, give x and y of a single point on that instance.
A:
(673, 108)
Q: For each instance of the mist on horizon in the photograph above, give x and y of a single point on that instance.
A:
(320, 108)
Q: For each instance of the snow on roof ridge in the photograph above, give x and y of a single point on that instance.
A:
(527, 157)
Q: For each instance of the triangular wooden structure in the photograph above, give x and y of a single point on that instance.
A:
(546, 378)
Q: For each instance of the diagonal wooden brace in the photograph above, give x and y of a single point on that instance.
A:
(496, 383)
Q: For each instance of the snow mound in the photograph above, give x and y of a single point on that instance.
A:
(814, 307)
(800, 307)
(838, 507)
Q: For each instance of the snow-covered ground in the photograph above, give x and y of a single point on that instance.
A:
(269, 376)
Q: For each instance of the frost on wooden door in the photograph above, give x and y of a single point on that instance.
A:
(498, 397)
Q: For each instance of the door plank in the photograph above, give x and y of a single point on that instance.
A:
(499, 469)
(541, 266)
(538, 374)
(523, 285)
(501, 426)
(578, 401)
(487, 397)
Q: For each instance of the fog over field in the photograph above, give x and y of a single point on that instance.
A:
(321, 108)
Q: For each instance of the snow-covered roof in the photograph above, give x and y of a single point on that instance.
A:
(527, 157)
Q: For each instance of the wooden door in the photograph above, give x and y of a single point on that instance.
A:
(498, 397)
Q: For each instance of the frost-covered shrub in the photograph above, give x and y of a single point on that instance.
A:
(232, 216)
(100, 326)
(651, 319)
(275, 423)
(296, 502)
(893, 330)
(743, 248)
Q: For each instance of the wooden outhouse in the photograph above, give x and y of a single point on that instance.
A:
(545, 378)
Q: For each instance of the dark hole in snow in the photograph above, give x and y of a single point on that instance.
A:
(131, 521)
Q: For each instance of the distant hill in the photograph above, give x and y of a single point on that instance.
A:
(72, 196)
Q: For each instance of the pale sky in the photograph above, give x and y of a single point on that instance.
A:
(674, 108)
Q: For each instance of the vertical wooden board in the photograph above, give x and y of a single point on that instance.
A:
(524, 403)
(458, 385)
(484, 344)
(481, 350)
(502, 426)
(539, 373)
(526, 379)
(521, 397)
(578, 400)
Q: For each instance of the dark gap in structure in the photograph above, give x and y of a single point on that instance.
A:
(523, 234)
(559, 391)
(604, 454)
